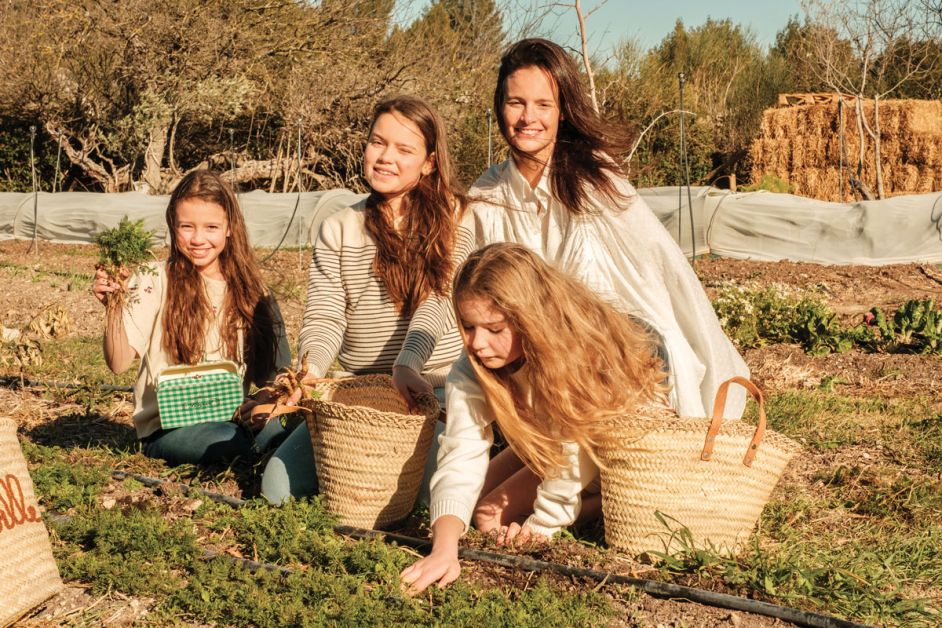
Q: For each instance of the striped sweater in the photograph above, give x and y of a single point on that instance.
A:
(350, 317)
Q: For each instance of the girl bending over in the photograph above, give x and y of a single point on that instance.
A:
(551, 363)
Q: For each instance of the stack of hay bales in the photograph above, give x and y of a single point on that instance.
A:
(801, 145)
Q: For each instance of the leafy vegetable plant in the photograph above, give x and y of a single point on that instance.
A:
(916, 327)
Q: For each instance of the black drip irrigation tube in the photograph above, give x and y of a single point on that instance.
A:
(653, 588)
(13, 381)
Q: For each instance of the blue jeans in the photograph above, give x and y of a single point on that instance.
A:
(291, 473)
(210, 443)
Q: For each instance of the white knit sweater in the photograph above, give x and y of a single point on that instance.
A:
(463, 458)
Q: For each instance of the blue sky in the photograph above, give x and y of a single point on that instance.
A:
(648, 21)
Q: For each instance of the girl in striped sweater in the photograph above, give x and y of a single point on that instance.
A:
(380, 277)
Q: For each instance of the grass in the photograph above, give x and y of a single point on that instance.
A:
(822, 420)
(137, 549)
(76, 358)
(856, 530)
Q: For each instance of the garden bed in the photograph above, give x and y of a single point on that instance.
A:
(853, 530)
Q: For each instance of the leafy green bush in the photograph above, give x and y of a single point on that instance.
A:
(916, 327)
(754, 316)
(769, 183)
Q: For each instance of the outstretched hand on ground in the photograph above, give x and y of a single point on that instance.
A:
(439, 567)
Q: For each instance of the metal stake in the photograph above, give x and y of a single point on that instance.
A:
(232, 158)
(55, 181)
(34, 246)
(490, 139)
(300, 189)
(685, 163)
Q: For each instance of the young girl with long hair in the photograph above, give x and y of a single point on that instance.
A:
(206, 302)
(551, 363)
(380, 276)
(563, 193)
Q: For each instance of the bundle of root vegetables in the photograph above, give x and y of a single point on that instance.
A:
(801, 144)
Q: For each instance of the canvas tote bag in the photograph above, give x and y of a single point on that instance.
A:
(28, 572)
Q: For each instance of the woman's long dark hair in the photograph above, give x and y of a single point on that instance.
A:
(416, 260)
(586, 143)
(246, 307)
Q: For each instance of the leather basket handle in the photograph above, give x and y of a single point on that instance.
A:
(719, 404)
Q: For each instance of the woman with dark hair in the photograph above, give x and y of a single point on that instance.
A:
(206, 302)
(563, 194)
(379, 282)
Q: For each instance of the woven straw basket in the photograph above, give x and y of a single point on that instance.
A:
(28, 573)
(711, 477)
(369, 452)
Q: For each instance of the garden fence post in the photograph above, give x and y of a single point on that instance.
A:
(300, 189)
(490, 139)
(34, 245)
(685, 164)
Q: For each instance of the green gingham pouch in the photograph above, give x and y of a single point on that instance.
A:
(203, 393)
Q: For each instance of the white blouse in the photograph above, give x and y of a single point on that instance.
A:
(624, 254)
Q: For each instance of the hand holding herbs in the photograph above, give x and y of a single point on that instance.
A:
(122, 252)
(288, 389)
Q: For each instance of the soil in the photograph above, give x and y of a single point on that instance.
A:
(59, 275)
(849, 289)
(75, 602)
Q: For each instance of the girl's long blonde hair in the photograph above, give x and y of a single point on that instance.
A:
(585, 362)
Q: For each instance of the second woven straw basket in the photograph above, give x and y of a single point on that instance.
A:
(665, 472)
(369, 452)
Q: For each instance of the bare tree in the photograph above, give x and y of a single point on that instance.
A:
(142, 91)
(582, 16)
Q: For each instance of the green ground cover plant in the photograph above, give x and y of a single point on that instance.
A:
(754, 316)
(136, 550)
(63, 483)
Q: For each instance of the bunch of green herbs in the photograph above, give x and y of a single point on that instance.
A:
(123, 252)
